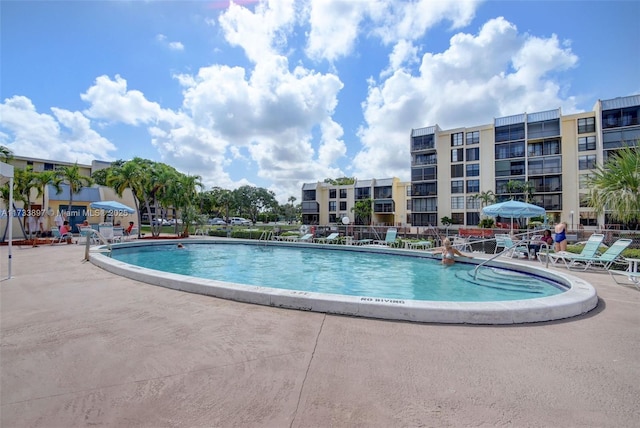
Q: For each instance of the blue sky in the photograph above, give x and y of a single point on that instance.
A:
(278, 93)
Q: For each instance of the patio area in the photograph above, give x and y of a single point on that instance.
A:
(80, 346)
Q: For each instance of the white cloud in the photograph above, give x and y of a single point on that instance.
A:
(494, 73)
(110, 100)
(176, 46)
(65, 135)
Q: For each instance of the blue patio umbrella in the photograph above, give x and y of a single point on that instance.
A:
(513, 209)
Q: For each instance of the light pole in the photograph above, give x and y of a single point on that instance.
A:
(571, 219)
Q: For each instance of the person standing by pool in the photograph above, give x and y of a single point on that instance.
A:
(561, 236)
(448, 252)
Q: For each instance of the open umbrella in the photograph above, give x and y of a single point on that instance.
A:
(513, 209)
(114, 206)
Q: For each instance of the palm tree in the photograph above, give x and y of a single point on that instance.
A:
(129, 175)
(5, 154)
(363, 209)
(71, 176)
(486, 198)
(615, 185)
(44, 178)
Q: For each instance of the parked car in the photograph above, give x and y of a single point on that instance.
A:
(160, 222)
(240, 221)
(216, 221)
(173, 221)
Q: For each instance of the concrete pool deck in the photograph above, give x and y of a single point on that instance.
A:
(80, 346)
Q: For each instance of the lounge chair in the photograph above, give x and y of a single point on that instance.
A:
(604, 261)
(308, 237)
(514, 248)
(389, 239)
(633, 277)
(589, 250)
(500, 241)
(331, 239)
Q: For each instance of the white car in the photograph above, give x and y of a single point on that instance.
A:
(239, 221)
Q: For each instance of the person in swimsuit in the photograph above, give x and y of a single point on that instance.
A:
(561, 237)
(448, 252)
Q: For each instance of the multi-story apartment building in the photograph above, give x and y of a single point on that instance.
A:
(545, 157)
(324, 203)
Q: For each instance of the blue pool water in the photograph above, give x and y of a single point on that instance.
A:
(339, 272)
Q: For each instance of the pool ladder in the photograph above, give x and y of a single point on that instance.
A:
(266, 236)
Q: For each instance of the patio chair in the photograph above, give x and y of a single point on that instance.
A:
(331, 239)
(500, 242)
(589, 250)
(106, 232)
(633, 277)
(604, 261)
(513, 248)
(57, 236)
(390, 237)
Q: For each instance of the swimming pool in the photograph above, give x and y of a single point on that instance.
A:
(337, 271)
(578, 298)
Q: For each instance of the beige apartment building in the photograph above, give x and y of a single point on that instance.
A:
(543, 157)
(46, 207)
(324, 203)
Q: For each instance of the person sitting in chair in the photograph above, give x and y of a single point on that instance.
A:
(65, 232)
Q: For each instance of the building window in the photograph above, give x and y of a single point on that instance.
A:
(587, 124)
(343, 205)
(546, 128)
(332, 205)
(457, 155)
(548, 165)
(421, 174)
(333, 218)
(48, 166)
(473, 186)
(588, 218)
(457, 218)
(343, 193)
(473, 203)
(457, 139)
(424, 189)
(309, 195)
(457, 186)
(457, 171)
(382, 192)
(506, 168)
(510, 150)
(586, 143)
(473, 137)
(509, 132)
(473, 170)
(423, 142)
(473, 218)
(332, 193)
(473, 154)
(583, 181)
(457, 202)
(363, 193)
(586, 162)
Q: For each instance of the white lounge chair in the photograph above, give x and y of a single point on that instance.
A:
(390, 237)
(331, 239)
